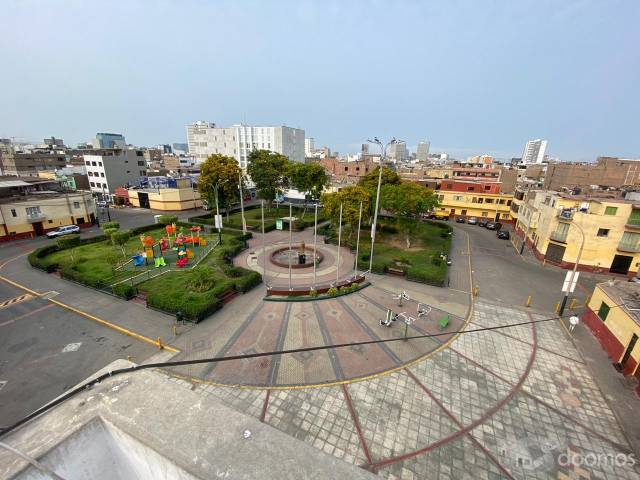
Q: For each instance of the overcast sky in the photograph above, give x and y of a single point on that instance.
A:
(472, 77)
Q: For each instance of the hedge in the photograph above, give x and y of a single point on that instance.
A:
(69, 272)
(35, 258)
(248, 281)
(143, 229)
(124, 290)
(194, 309)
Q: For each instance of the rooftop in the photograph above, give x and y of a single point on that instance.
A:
(626, 295)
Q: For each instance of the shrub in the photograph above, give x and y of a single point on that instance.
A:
(248, 281)
(90, 240)
(354, 286)
(121, 237)
(143, 229)
(36, 258)
(108, 225)
(70, 272)
(233, 272)
(387, 228)
(313, 293)
(194, 308)
(167, 219)
(68, 241)
(201, 279)
(124, 290)
(332, 292)
(108, 232)
(436, 260)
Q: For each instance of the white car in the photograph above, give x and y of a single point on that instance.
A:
(66, 230)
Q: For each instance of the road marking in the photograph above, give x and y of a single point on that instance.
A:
(72, 347)
(13, 301)
(8, 322)
(2, 384)
(17, 285)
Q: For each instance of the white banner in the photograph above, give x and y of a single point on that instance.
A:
(565, 285)
(218, 221)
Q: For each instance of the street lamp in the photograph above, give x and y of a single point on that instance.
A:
(383, 150)
(573, 273)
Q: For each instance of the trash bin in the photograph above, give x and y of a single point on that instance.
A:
(156, 218)
(179, 317)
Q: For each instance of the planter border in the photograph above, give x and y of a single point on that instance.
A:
(306, 298)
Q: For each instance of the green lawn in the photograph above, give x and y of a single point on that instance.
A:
(421, 262)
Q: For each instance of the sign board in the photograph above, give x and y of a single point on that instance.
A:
(218, 220)
(279, 224)
(567, 279)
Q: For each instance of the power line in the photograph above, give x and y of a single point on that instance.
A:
(179, 363)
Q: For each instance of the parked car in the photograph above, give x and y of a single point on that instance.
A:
(101, 204)
(460, 220)
(66, 230)
(503, 234)
(491, 225)
(482, 222)
(472, 221)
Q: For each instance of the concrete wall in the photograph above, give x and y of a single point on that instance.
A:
(169, 199)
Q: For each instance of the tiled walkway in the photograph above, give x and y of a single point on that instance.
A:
(511, 403)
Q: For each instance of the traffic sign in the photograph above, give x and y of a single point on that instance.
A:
(569, 284)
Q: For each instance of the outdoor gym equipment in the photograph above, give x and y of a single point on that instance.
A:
(389, 318)
(400, 297)
(423, 310)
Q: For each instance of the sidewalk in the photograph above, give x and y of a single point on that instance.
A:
(127, 315)
(622, 399)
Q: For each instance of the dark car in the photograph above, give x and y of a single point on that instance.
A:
(460, 220)
(482, 222)
(491, 225)
(503, 234)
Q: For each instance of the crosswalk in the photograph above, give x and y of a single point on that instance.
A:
(13, 301)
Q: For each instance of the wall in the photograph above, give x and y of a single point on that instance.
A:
(459, 201)
(168, 199)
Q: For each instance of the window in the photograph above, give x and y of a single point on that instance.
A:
(87, 162)
(485, 214)
(33, 211)
(126, 161)
(508, 202)
(90, 174)
(611, 210)
(458, 198)
(92, 184)
(505, 216)
(634, 218)
(93, 163)
(345, 169)
(102, 174)
(603, 232)
(603, 311)
(480, 200)
(488, 200)
(128, 171)
(76, 204)
(13, 212)
(99, 164)
(142, 172)
(441, 197)
(140, 163)
(629, 241)
(470, 189)
(487, 187)
(139, 153)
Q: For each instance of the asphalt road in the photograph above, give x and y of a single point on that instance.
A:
(46, 349)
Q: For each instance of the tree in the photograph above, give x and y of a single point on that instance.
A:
(268, 170)
(370, 180)
(407, 201)
(350, 197)
(120, 238)
(308, 178)
(223, 172)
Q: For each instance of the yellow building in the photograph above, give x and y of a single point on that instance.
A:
(166, 199)
(32, 214)
(613, 316)
(479, 203)
(555, 224)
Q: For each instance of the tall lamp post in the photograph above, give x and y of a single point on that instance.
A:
(383, 150)
(573, 273)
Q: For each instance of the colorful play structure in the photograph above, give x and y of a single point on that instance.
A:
(175, 241)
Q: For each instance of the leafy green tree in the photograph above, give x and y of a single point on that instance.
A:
(407, 201)
(223, 172)
(120, 238)
(268, 170)
(370, 180)
(350, 198)
(308, 178)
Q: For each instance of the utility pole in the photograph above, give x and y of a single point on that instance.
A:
(218, 218)
(573, 273)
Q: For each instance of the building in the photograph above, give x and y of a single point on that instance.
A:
(340, 170)
(180, 148)
(205, 138)
(474, 198)
(33, 206)
(554, 225)
(534, 151)
(109, 140)
(26, 164)
(71, 178)
(166, 194)
(611, 172)
(397, 152)
(422, 151)
(613, 316)
(109, 169)
(309, 147)
(53, 142)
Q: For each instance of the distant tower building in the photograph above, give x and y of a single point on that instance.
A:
(397, 152)
(308, 147)
(365, 149)
(422, 152)
(109, 140)
(534, 151)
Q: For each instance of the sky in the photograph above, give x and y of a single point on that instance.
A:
(472, 77)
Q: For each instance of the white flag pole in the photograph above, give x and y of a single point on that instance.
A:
(315, 242)
(355, 273)
(339, 238)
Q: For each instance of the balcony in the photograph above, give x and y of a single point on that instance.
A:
(36, 217)
(630, 247)
(559, 237)
(633, 221)
(565, 215)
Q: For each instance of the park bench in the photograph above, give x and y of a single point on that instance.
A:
(444, 321)
(395, 271)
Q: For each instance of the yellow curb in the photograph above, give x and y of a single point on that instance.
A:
(115, 327)
(17, 285)
(350, 380)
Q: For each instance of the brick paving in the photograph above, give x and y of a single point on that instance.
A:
(513, 404)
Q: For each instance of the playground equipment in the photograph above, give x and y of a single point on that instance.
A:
(400, 297)
(390, 317)
(408, 320)
(138, 260)
(423, 310)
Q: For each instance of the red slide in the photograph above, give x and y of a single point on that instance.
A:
(181, 262)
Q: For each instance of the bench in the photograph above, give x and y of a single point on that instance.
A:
(395, 271)
(444, 322)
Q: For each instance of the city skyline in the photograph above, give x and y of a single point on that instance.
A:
(477, 78)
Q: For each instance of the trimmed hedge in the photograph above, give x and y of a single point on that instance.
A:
(248, 281)
(69, 272)
(194, 309)
(143, 229)
(167, 219)
(124, 290)
(35, 258)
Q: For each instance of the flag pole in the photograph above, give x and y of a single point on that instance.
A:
(244, 224)
(339, 238)
(355, 273)
(315, 242)
(264, 257)
(290, 238)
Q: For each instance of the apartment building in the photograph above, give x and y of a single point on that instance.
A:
(205, 138)
(555, 225)
(29, 164)
(606, 172)
(422, 151)
(469, 198)
(534, 151)
(32, 206)
(110, 168)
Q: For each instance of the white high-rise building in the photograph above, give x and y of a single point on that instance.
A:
(309, 147)
(397, 152)
(534, 151)
(205, 138)
(422, 152)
